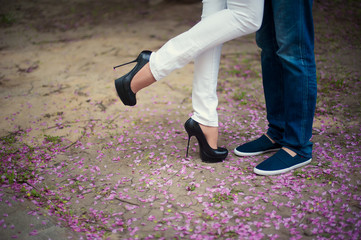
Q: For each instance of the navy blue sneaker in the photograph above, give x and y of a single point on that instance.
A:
(256, 147)
(280, 162)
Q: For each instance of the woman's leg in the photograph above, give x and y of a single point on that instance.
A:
(221, 21)
(239, 19)
(206, 66)
(204, 95)
(142, 79)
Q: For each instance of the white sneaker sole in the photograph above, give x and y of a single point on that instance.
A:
(276, 172)
(248, 154)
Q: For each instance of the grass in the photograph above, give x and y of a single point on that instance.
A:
(191, 187)
(9, 139)
(52, 139)
(225, 197)
(7, 18)
(239, 95)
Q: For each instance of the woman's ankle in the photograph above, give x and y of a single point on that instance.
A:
(211, 134)
(142, 79)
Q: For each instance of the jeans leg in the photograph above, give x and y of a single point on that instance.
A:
(295, 40)
(206, 67)
(272, 74)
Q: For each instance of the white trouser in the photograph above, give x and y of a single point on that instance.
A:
(222, 20)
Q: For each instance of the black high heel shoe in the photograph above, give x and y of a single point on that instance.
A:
(122, 84)
(208, 154)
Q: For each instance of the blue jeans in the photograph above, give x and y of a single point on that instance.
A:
(286, 39)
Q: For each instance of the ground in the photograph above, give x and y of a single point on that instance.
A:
(76, 159)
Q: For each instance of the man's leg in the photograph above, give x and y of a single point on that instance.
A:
(272, 75)
(289, 80)
(294, 37)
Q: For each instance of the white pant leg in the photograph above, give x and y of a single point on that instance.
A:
(241, 17)
(206, 67)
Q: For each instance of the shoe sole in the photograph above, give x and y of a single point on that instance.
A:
(248, 154)
(211, 159)
(208, 159)
(276, 172)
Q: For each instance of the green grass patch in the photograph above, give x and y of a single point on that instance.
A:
(52, 139)
(7, 18)
(9, 139)
(239, 95)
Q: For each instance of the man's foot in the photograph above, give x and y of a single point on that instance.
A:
(281, 162)
(261, 145)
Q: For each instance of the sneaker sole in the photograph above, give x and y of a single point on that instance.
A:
(276, 172)
(248, 154)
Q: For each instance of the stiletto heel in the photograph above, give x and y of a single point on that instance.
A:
(189, 139)
(121, 65)
(207, 153)
(122, 84)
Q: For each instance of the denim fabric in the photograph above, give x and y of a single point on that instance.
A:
(286, 39)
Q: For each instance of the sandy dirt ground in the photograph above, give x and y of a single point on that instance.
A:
(109, 171)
